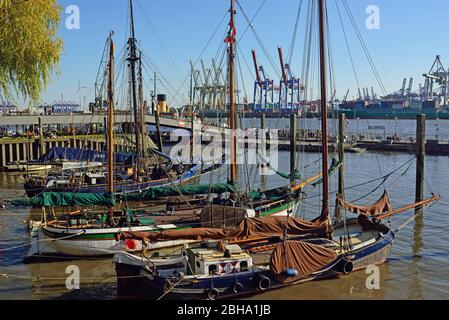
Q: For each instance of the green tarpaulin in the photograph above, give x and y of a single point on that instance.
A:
(296, 175)
(66, 199)
(284, 175)
(272, 194)
(186, 190)
(334, 166)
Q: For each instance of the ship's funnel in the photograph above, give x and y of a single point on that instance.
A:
(162, 103)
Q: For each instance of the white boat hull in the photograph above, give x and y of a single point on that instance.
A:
(18, 167)
(73, 242)
(44, 244)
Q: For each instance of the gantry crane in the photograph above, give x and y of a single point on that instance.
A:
(263, 97)
(437, 75)
(289, 88)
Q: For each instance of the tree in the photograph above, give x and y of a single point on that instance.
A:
(30, 48)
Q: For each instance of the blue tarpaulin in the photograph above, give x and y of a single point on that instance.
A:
(75, 154)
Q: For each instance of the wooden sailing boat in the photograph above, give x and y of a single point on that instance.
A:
(150, 168)
(226, 270)
(93, 234)
(78, 235)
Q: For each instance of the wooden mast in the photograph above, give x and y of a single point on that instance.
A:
(192, 118)
(232, 118)
(324, 130)
(341, 159)
(110, 142)
(142, 108)
(132, 61)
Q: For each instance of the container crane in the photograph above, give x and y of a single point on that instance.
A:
(437, 75)
(263, 97)
(289, 88)
(410, 88)
(404, 85)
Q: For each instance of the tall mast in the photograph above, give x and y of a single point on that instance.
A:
(132, 62)
(142, 107)
(110, 142)
(192, 118)
(323, 72)
(232, 118)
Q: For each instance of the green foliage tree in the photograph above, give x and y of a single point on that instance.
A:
(30, 48)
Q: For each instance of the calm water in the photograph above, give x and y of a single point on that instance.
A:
(417, 268)
(403, 128)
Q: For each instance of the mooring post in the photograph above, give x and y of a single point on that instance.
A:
(420, 154)
(341, 159)
(158, 129)
(262, 138)
(73, 132)
(195, 146)
(293, 145)
(41, 137)
(237, 150)
(262, 149)
(105, 123)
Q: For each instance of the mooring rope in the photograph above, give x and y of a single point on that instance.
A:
(168, 291)
(43, 240)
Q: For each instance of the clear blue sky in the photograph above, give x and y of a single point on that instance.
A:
(411, 34)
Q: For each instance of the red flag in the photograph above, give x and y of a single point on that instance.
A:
(232, 33)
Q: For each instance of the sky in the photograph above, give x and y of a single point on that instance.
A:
(172, 32)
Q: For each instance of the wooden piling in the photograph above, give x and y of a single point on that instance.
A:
(158, 130)
(263, 122)
(41, 137)
(293, 146)
(3, 155)
(105, 124)
(420, 154)
(262, 149)
(341, 159)
(10, 154)
(262, 145)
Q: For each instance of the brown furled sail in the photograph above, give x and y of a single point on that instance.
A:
(305, 258)
(248, 229)
(181, 234)
(380, 206)
(277, 226)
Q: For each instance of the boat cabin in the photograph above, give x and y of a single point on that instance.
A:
(95, 178)
(211, 261)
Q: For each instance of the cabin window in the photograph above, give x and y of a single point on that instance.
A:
(198, 264)
(244, 266)
(213, 269)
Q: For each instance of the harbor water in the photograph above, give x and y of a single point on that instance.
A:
(416, 269)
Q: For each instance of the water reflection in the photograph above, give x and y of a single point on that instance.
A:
(415, 287)
(402, 277)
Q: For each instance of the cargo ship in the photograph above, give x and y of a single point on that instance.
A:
(393, 109)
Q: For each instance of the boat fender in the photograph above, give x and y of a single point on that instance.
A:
(238, 287)
(291, 273)
(167, 285)
(348, 266)
(344, 266)
(213, 294)
(264, 283)
(130, 244)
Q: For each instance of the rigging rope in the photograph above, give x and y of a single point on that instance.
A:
(201, 53)
(161, 43)
(347, 44)
(43, 240)
(259, 40)
(295, 31)
(378, 78)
